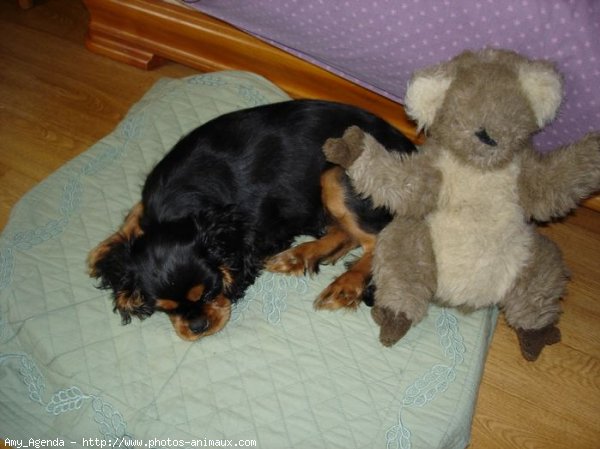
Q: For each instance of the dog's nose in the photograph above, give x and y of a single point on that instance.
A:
(199, 325)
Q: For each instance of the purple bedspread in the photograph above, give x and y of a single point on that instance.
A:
(378, 44)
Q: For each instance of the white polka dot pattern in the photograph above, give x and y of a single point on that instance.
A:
(379, 43)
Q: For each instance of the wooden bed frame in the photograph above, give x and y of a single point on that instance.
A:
(146, 33)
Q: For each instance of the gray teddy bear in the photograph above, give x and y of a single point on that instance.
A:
(465, 205)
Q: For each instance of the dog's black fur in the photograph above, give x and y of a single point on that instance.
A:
(228, 195)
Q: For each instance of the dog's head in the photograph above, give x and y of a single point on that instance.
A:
(180, 268)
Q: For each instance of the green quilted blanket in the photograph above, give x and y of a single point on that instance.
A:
(279, 376)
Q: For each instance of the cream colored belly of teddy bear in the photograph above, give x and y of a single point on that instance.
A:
(480, 238)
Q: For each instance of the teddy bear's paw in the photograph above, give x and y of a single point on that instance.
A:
(593, 139)
(337, 151)
(393, 326)
(345, 150)
(343, 293)
(354, 136)
(532, 341)
(590, 146)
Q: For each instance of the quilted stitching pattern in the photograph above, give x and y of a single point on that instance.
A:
(280, 373)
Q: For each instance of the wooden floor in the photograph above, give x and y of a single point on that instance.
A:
(56, 99)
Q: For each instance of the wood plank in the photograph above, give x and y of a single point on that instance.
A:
(56, 98)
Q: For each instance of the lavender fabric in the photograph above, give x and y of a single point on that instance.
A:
(378, 44)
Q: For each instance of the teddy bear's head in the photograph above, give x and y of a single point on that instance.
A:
(484, 106)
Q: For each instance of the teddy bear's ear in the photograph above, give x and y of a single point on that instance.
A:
(425, 94)
(543, 86)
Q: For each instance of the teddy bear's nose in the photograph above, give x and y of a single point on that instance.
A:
(485, 138)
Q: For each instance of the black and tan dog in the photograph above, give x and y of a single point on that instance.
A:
(224, 203)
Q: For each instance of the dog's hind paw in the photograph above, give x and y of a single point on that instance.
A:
(343, 293)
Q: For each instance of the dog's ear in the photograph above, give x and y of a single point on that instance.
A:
(116, 271)
(129, 230)
(112, 264)
(130, 304)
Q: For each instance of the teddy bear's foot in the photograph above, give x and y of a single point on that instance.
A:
(393, 326)
(532, 341)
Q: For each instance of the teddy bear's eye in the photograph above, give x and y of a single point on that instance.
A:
(485, 138)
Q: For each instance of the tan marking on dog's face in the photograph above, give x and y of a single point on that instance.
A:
(195, 293)
(217, 313)
(227, 277)
(166, 304)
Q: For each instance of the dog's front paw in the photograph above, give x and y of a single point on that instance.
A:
(345, 150)
(296, 261)
(392, 325)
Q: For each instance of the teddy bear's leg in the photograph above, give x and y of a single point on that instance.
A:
(532, 307)
(404, 274)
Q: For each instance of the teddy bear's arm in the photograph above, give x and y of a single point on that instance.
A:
(552, 184)
(406, 184)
